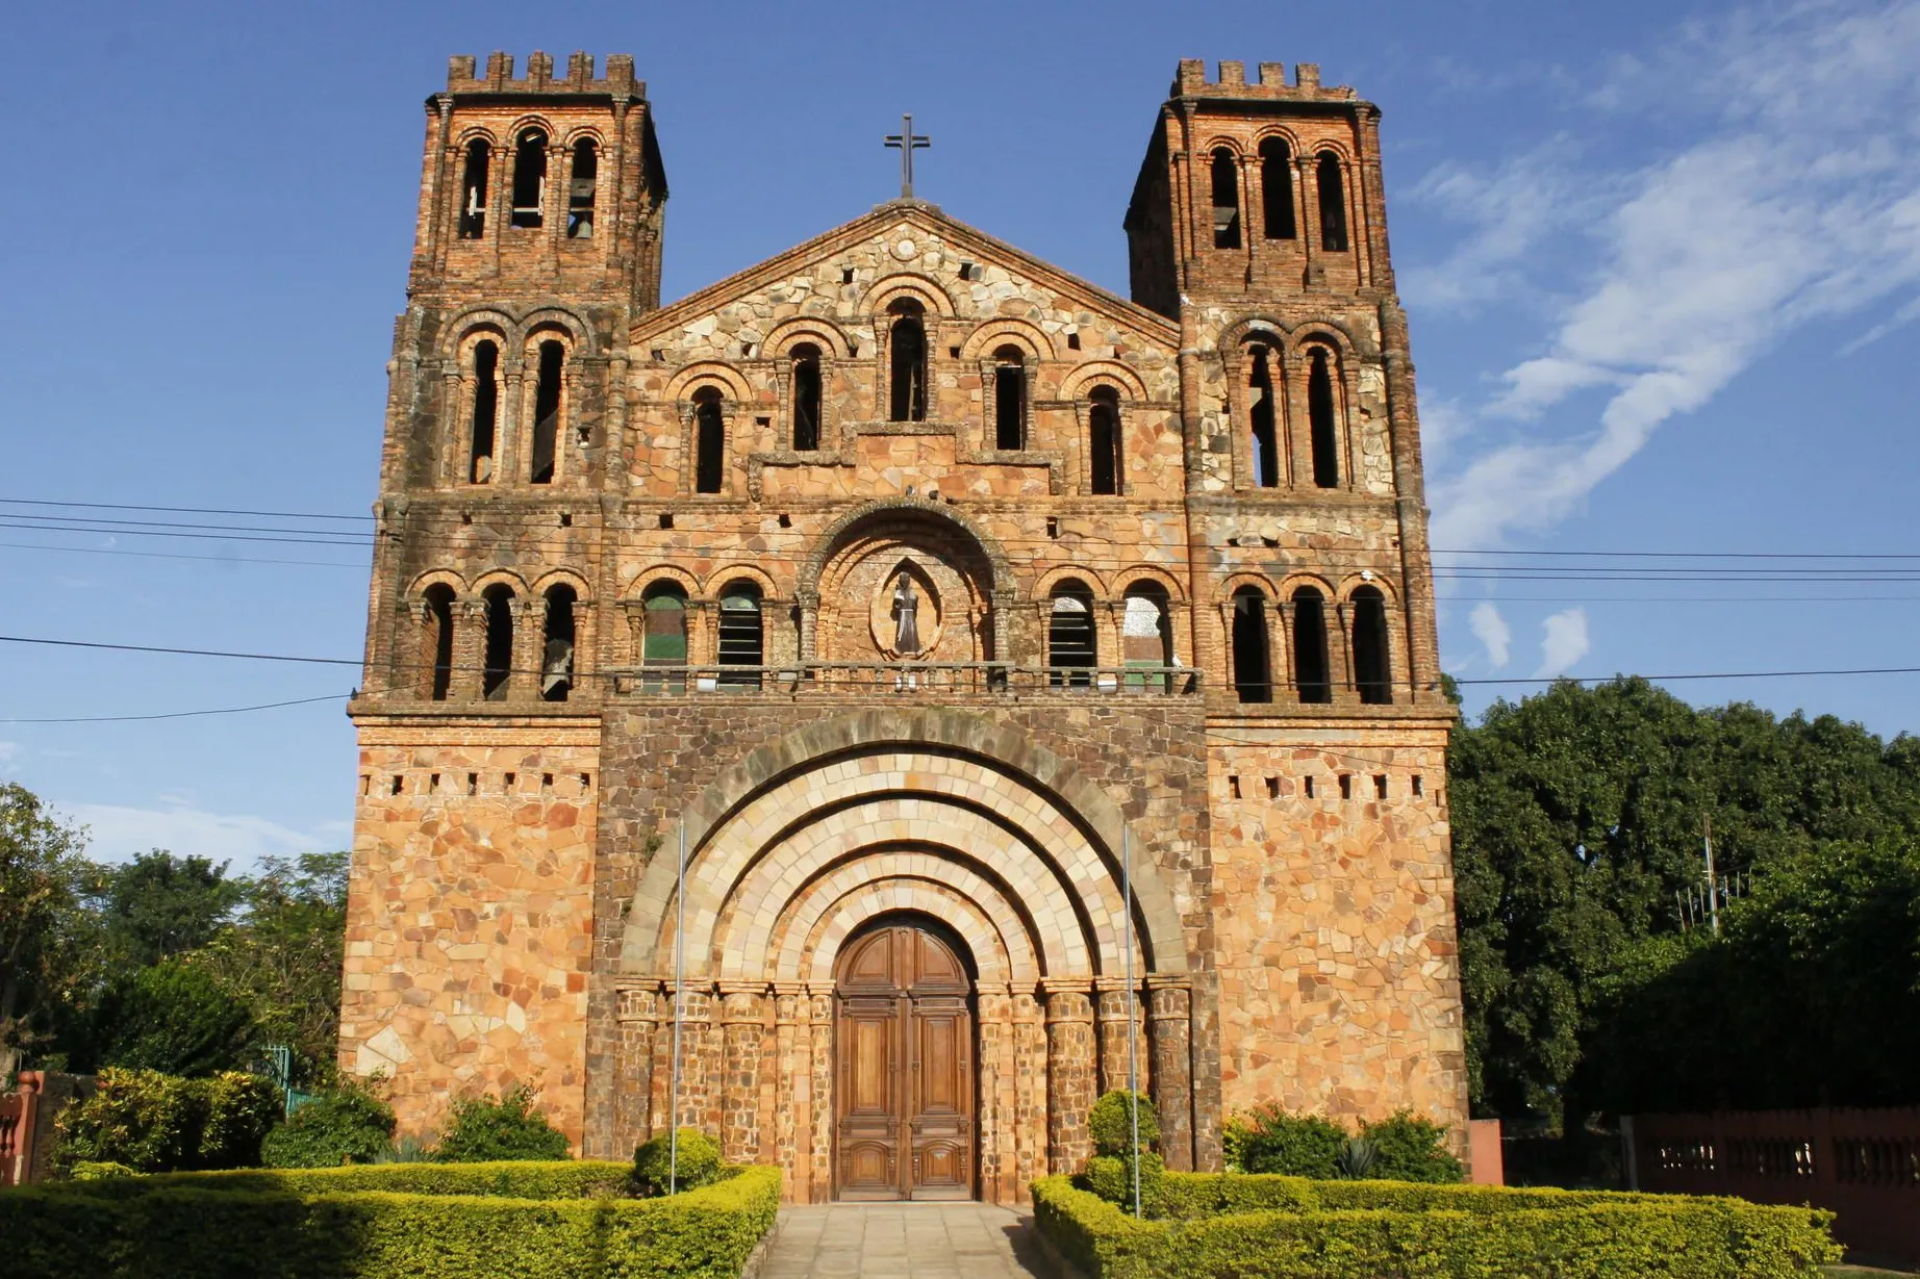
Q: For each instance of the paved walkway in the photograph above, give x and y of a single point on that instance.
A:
(903, 1241)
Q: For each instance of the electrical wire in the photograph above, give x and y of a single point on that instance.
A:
(130, 719)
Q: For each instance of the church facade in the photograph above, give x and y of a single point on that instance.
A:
(972, 685)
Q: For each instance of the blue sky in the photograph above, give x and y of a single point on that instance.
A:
(1660, 261)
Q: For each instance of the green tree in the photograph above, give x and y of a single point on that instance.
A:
(48, 936)
(1577, 816)
(283, 956)
(177, 1018)
(160, 905)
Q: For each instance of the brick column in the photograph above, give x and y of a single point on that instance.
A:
(529, 648)
(506, 423)
(1309, 222)
(1171, 1014)
(469, 649)
(792, 1058)
(700, 1063)
(456, 418)
(639, 1020)
(1030, 1093)
(1340, 653)
(1070, 1075)
(999, 1105)
(743, 1030)
(1111, 1017)
(820, 1011)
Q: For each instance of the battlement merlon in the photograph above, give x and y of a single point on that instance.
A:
(1191, 82)
(539, 79)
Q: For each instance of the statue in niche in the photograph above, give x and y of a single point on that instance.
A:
(906, 617)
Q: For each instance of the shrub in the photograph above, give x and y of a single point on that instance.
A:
(102, 1170)
(157, 1123)
(1111, 1177)
(1268, 1139)
(513, 1179)
(177, 1228)
(175, 1017)
(346, 1126)
(699, 1163)
(1112, 1126)
(486, 1129)
(1508, 1235)
(1407, 1148)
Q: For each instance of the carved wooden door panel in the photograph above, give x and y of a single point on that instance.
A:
(904, 1069)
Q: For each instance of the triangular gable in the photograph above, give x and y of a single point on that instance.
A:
(880, 221)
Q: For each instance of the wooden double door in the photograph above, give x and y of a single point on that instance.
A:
(904, 1082)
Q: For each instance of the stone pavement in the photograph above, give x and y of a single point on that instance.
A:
(903, 1241)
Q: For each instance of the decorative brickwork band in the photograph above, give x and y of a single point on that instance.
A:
(1173, 1071)
(1071, 1070)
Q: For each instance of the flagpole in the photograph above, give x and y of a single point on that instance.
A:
(679, 1009)
(1133, 1065)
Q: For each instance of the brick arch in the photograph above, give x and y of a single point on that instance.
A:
(1353, 582)
(532, 120)
(502, 577)
(924, 289)
(1003, 330)
(951, 845)
(1079, 383)
(582, 592)
(548, 319)
(436, 577)
(648, 577)
(1043, 588)
(891, 515)
(723, 577)
(773, 843)
(813, 960)
(822, 332)
(1134, 575)
(1022, 772)
(473, 326)
(692, 377)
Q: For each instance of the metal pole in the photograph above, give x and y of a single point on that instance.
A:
(1133, 1066)
(679, 1009)
(1713, 892)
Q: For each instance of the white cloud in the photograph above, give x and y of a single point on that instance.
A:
(1563, 643)
(1714, 254)
(1492, 631)
(117, 832)
(9, 752)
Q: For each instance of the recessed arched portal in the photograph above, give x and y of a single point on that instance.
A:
(904, 1078)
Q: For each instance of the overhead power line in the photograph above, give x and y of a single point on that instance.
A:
(129, 719)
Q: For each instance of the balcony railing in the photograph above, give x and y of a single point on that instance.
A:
(984, 679)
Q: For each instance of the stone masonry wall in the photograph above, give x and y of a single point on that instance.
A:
(470, 917)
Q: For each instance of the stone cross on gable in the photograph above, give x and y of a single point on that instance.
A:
(907, 142)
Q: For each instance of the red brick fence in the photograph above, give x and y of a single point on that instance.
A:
(1862, 1164)
(26, 1122)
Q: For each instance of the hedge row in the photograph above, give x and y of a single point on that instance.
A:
(1481, 1233)
(180, 1229)
(563, 1179)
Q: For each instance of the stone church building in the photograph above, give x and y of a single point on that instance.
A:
(1013, 662)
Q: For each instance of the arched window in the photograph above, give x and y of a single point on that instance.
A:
(581, 189)
(556, 655)
(1333, 204)
(497, 677)
(1072, 650)
(1103, 440)
(1146, 636)
(1276, 190)
(1009, 398)
(665, 640)
(1372, 662)
(1310, 680)
(1264, 440)
(546, 410)
(437, 643)
(806, 397)
(709, 441)
(742, 642)
(1226, 200)
(1323, 419)
(486, 410)
(907, 364)
(529, 179)
(473, 188)
(1252, 669)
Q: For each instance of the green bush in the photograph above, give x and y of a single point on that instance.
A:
(1621, 1235)
(346, 1126)
(1408, 1148)
(175, 1017)
(104, 1170)
(699, 1163)
(487, 1129)
(1401, 1148)
(1111, 1177)
(179, 1228)
(513, 1179)
(1268, 1139)
(157, 1123)
(1191, 1194)
(1112, 1126)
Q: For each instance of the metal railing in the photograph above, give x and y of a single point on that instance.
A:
(983, 679)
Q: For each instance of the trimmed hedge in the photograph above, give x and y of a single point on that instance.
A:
(1482, 1232)
(182, 1227)
(508, 1179)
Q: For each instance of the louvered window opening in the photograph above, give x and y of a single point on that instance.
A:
(1070, 643)
(740, 640)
